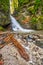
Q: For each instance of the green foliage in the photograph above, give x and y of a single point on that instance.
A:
(4, 12)
(2, 29)
(37, 22)
(15, 4)
(42, 6)
(4, 5)
(30, 9)
(33, 22)
(37, 5)
(21, 2)
(35, 9)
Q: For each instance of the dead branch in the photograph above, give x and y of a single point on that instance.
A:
(18, 45)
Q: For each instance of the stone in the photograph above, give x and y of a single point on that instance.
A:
(0, 56)
(4, 19)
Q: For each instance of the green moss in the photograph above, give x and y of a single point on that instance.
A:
(2, 29)
(37, 22)
(22, 2)
(31, 9)
(4, 6)
(4, 12)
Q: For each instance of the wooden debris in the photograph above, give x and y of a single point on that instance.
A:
(7, 39)
(6, 32)
(1, 46)
(1, 62)
(18, 45)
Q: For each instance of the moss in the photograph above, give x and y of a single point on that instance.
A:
(4, 12)
(21, 2)
(2, 29)
(40, 19)
(37, 22)
(4, 6)
(31, 9)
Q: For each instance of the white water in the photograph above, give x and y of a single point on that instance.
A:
(16, 26)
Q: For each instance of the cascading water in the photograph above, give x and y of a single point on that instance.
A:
(16, 26)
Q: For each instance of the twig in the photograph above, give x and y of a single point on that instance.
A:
(6, 32)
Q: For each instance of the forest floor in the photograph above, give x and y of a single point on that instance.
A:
(11, 55)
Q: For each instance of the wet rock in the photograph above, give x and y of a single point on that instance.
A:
(0, 55)
(41, 61)
(30, 36)
(41, 36)
(40, 53)
(35, 49)
(39, 42)
(4, 19)
(33, 37)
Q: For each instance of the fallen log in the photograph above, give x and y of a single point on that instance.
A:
(18, 45)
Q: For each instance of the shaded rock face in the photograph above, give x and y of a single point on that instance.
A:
(4, 19)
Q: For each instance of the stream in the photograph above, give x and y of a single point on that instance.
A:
(17, 27)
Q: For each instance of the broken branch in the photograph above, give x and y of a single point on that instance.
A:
(18, 45)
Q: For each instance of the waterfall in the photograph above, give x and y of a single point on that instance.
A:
(17, 27)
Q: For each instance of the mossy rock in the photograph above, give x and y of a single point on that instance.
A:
(4, 12)
(21, 2)
(2, 29)
(37, 23)
(31, 9)
(4, 20)
(40, 22)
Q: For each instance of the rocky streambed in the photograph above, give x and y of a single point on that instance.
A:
(11, 56)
